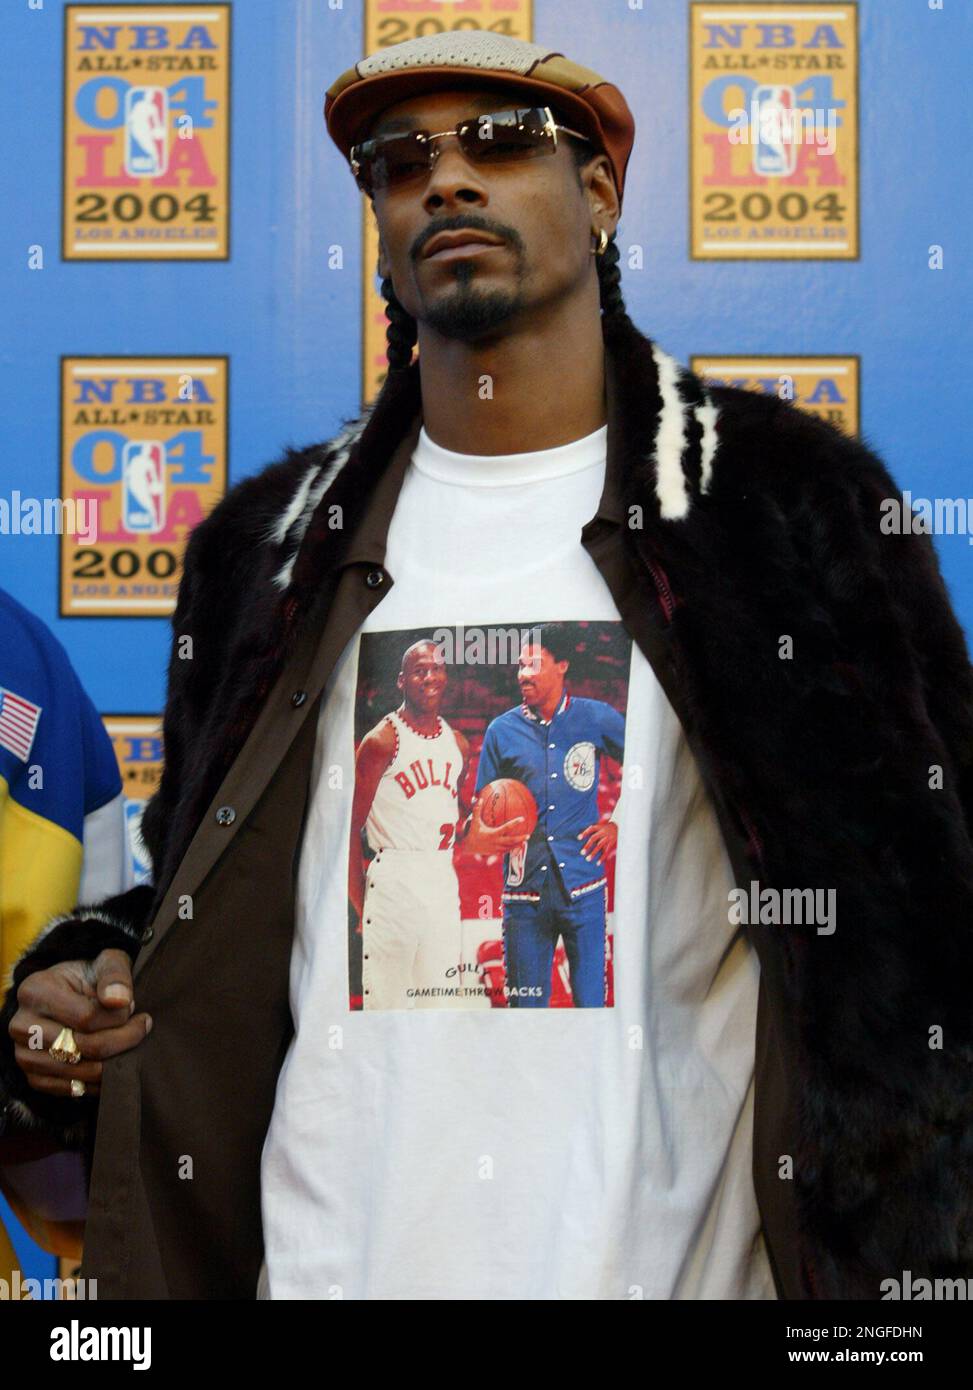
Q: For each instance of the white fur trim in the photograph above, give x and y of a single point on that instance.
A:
(670, 441)
(707, 415)
(297, 516)
(279, 528)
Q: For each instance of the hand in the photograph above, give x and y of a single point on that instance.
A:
(599, 840)
(493, 839)
(95, 999)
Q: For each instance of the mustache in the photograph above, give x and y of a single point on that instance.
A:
(463, 223)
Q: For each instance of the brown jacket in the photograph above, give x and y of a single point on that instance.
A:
(727, 519)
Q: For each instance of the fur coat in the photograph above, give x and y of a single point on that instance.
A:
(847, 765)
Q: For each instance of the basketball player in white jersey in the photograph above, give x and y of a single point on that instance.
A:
(407, 775)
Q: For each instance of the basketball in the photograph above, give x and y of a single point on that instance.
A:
(505, 798)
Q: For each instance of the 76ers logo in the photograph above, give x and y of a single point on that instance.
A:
(579, 766)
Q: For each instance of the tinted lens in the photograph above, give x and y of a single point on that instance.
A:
(502, 135)
(519, 134)
(393, 159)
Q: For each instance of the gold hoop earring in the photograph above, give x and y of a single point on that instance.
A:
(602, 246)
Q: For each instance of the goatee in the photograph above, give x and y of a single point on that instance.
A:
(469, 312)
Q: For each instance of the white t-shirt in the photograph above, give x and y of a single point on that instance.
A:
(456, 1143)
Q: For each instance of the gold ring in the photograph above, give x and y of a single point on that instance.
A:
(77, 1087)
(64, 1048)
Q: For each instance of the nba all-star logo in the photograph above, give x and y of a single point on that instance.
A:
(144, 447)
(146, 133)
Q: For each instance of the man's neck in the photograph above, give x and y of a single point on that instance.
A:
(536, 388)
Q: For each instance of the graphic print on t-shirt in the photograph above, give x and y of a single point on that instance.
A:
(488, 770)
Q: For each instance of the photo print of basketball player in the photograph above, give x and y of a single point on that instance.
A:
(436, 875)
(555, 882)
(408, 769)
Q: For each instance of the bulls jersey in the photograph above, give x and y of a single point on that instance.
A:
(415, 804)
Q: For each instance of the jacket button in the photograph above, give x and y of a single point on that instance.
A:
(298, 698)
(373, 578)
(148, 934)
(225, 815)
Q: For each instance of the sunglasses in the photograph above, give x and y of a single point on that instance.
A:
(502, 137)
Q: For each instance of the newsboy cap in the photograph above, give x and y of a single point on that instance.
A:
(585, 100)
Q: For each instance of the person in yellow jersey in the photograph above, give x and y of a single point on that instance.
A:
(63, 839)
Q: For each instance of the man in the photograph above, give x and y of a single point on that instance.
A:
(699, 1139)
(553, 743)
(408, 770)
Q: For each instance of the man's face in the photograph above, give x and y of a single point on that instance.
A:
(535, 205)
(539, 676)
(422, 679)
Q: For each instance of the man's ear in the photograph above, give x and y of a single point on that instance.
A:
(602, 195)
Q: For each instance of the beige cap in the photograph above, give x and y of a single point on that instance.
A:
(593, 106)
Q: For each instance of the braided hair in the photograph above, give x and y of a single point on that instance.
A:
(403, 331)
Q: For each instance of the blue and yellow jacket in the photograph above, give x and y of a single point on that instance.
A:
(62, 824)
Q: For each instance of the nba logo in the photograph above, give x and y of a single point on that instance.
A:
(143, 485)
(146, 131)
(772, 116)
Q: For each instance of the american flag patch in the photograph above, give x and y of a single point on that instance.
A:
(18, 723)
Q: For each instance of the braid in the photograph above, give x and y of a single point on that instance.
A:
(610, 283)
(403, 331)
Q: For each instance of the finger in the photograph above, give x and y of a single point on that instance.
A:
(53, 999)
(508, 825)
(35, 1064)
(113, 978)
(36, 1034)
(109, 1042)
(23, 1029)
(54, 1087)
